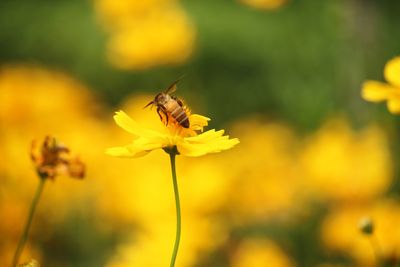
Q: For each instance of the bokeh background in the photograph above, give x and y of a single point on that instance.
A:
(282, 76)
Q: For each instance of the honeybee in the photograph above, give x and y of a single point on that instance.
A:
(170, 105)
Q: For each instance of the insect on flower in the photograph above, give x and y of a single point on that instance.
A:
(181, 134)
(171, 106)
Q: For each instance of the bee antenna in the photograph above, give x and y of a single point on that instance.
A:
(181, 77)
(150, 103)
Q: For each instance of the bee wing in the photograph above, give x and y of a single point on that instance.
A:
(172, 88)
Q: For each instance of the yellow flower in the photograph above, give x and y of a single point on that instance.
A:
(341, 234)
(266, 157)
(186, 141)
(146, 34)
(375, 91)
(336, 163)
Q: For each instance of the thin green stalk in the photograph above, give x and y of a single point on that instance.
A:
(178, 209)
(24, 236)
(377, 249)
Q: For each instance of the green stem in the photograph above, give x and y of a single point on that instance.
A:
(178, 210)
(24, 236)
(377, 249)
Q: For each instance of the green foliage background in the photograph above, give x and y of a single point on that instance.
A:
(301, 63)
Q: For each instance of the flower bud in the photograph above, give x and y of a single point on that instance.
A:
(366, 226)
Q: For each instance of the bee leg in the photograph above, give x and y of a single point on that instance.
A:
(159, 114)
(159, 111)
(166, 116)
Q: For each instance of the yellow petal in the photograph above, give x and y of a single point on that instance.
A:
(392, 71)
(132, 151)
(131, 126)
(148, 144)
(375, 91)
(209, 142)
(191, 150)
(206, 136)
(125, 122)
(222, 143)
(186, 140)
(122, 152)
(394, 105)
(198, 122)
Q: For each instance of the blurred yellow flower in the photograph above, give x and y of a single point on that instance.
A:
(337, 163)
(375, 91)
(187, 142)
(340, 231)
(260, 171)
(30, 96)
(264, 4)
(114, 13)
(162, 38)
(260, 253)
(144, 34)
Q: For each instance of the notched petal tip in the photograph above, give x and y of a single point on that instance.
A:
(118, 114)
(125, 122)
(198, 122)
(235, 141)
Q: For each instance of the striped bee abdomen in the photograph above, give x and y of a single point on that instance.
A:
(179, 114)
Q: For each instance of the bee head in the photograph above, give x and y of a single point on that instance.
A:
(159, 99)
